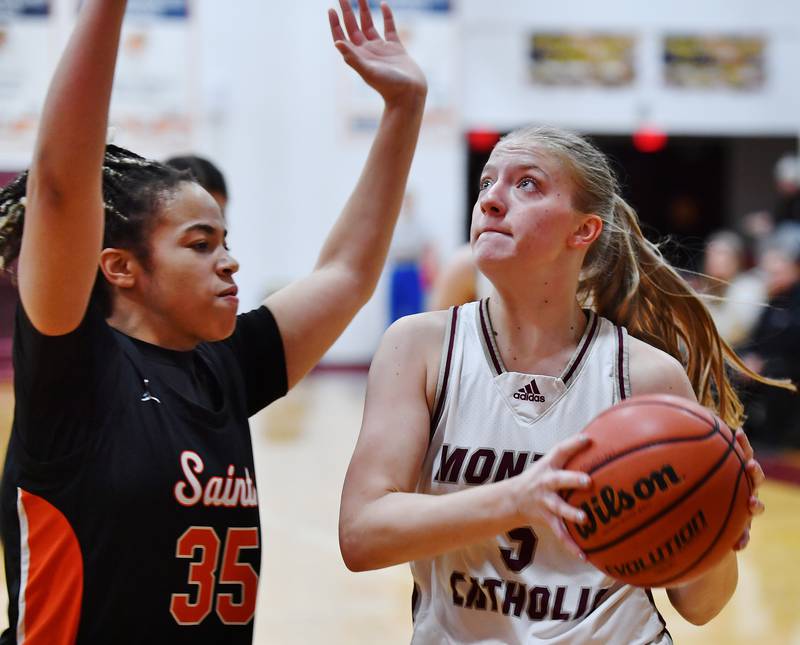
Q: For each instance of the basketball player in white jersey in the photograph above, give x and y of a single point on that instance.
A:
(471, 413)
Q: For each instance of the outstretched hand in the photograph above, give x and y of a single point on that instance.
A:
(383, 63)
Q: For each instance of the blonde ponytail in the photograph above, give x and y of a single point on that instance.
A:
(640, 290)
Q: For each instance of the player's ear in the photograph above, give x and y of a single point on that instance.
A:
(587, 230)
(120, 267)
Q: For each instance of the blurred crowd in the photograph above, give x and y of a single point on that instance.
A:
(751, 281)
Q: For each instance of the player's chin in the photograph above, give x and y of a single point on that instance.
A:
(221, 325)
(491, 260)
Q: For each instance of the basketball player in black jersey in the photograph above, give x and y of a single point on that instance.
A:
(129, 504)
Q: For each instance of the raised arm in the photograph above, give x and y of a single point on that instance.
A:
(312, 312)
(383, 521)
(64, 211)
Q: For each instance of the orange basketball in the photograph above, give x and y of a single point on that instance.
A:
(669, 494)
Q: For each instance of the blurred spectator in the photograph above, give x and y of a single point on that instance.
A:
(207, 175)
(409, 259)
(734, 297)
(787, 183)
(458, 282)
(774, 346)
(760, 224)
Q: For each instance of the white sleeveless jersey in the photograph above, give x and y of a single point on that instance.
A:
(490, 424)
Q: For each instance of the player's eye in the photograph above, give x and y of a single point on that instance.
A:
(527, 183)
(484, 183)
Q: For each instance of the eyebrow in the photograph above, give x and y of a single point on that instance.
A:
(527, 166)
(204, 228)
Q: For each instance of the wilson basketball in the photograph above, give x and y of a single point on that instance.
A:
(670, 493)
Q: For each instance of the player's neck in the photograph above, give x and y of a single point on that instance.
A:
(146, 325)
(537, 335)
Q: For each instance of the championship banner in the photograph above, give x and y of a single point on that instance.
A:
(26, 31)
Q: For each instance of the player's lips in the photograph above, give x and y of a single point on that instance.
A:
(493, 229)
(230, 292)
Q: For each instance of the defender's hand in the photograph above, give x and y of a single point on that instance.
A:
(384, 64)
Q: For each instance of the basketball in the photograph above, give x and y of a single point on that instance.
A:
(669, 495)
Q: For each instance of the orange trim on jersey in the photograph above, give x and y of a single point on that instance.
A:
(51, 574)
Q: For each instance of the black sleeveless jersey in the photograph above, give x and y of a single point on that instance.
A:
(129, 507)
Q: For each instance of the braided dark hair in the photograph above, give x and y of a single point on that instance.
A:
(133, 190)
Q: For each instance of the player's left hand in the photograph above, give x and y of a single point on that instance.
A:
(383, 63)
(756, 475)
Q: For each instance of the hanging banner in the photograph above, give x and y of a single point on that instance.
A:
(715, 62)
(582, 59)
(160, 8)
(414, 5)
(25, 66)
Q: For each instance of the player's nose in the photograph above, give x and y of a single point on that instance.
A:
(491, 202)
(228, 265)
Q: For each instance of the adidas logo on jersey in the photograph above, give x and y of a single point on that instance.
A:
(529, 393)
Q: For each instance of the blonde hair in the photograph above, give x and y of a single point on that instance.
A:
(626, 279)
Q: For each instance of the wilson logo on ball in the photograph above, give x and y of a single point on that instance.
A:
(609, 504)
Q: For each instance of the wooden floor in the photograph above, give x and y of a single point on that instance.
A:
(302, 446)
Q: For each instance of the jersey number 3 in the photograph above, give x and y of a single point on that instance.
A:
(203, 574)
(517, 559)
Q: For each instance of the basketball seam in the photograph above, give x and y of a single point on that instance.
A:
(630, 403)
(642, 446)
(714, 425)
(727, 517)
(716, 538)
(675, 503)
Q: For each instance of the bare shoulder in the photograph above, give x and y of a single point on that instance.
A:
(412, 346)
(653, 371)
(416, 337)
(423, 328)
